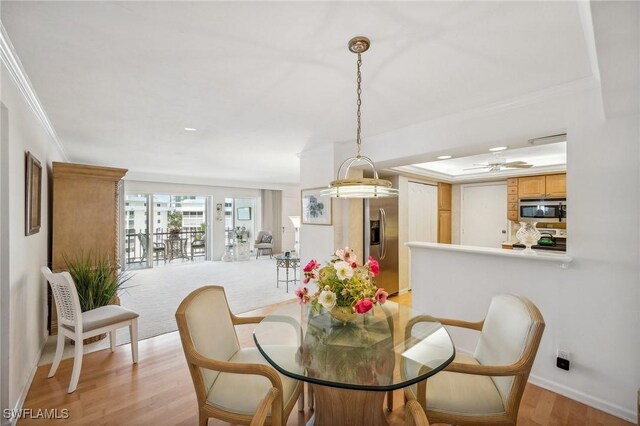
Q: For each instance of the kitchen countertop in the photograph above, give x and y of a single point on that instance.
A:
(538, 256)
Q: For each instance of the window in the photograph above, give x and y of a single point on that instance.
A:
(158, 220)
(158, 214)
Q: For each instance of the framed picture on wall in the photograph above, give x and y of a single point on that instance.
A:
(33, 195)
(316, 209)
(243, 213)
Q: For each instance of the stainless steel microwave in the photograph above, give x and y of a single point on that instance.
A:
(543, 210)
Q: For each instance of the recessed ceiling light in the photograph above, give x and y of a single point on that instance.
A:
(498, 148)
(190, 129)
(443, 157)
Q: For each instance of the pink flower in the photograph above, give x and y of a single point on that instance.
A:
(381, 295)
(303, 295)
(363, 306)
(346, 254)
(374, 266)
(311, 265)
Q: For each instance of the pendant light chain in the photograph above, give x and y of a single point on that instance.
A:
(359, 103)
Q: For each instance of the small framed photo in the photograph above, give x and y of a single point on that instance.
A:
(243, 213)
(33, 195)
(316, 209)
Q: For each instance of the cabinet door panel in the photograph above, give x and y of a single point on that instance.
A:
(533, 186)
(556, 185)
(512, 215)
(444, 196)
(444, 227)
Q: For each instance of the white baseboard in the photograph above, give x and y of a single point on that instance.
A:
(591, 401)
(27, 386)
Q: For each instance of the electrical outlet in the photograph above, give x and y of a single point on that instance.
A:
(563, 361)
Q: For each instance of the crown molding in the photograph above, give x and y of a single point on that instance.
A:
(478, 177)
(14, 66)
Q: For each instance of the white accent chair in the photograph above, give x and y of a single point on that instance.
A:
(486, 388)
(77, 325)
(229, 380)
(260, 245)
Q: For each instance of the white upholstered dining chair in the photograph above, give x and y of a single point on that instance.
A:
(77, 325)
(229, 380)
(486, 388)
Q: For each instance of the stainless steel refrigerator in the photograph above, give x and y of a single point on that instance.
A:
(381, 239)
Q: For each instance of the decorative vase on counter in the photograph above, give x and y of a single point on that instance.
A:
(528, 235)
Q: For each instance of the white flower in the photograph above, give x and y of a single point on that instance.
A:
(327, 299)
(343, 270)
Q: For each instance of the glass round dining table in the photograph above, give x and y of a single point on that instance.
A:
(350, 365)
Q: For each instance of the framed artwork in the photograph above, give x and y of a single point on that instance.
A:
(316, 209)
(33, 195)
(243, 213)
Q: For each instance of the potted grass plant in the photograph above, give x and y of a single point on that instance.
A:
(98, 280)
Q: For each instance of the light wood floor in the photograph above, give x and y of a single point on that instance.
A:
(159, 391)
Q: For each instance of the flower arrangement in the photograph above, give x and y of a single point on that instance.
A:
(342, 283)
(240, 233)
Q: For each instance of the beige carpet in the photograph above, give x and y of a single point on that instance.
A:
(156, 293)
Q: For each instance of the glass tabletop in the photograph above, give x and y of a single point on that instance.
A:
(388, 348)
(283, 257)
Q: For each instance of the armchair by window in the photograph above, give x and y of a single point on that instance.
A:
(264, 241)
(198, 245)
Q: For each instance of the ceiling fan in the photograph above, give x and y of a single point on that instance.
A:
(500, 163)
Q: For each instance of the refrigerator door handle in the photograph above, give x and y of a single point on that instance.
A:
(383, 234)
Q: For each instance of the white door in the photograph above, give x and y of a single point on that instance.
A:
(484, 215)
(423, 212)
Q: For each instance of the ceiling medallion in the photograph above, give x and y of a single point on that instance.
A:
(343, 186)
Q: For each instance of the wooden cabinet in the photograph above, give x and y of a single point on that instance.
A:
(512, 199)
(444, 196)
(543, 186)
(85, 214)
(444, 213)
(444, 226)
(556, 185)
(531, 187)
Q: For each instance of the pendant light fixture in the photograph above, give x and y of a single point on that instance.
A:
(343, 186)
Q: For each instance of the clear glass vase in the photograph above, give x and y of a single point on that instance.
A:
(528, 235)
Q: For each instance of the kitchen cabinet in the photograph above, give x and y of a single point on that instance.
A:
(543, 186)
(444, 213)
(531, 187)
(512, 199)
(556, 185)
(444, 226)
(444, 196)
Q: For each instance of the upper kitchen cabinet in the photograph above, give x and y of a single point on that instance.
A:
(531, 187)
(543, 186)
(556, 185)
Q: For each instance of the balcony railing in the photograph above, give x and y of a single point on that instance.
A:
(179, 246)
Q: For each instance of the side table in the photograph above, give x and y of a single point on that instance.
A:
(286, 263)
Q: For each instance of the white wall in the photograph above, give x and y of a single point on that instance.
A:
(591, 309)
(27, 289)
(317, 170)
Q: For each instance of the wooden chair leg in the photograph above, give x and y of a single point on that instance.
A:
(58, 355)
(390, 400)
(77, 364)
(203, 419)
(133, 333)
(112, 340)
